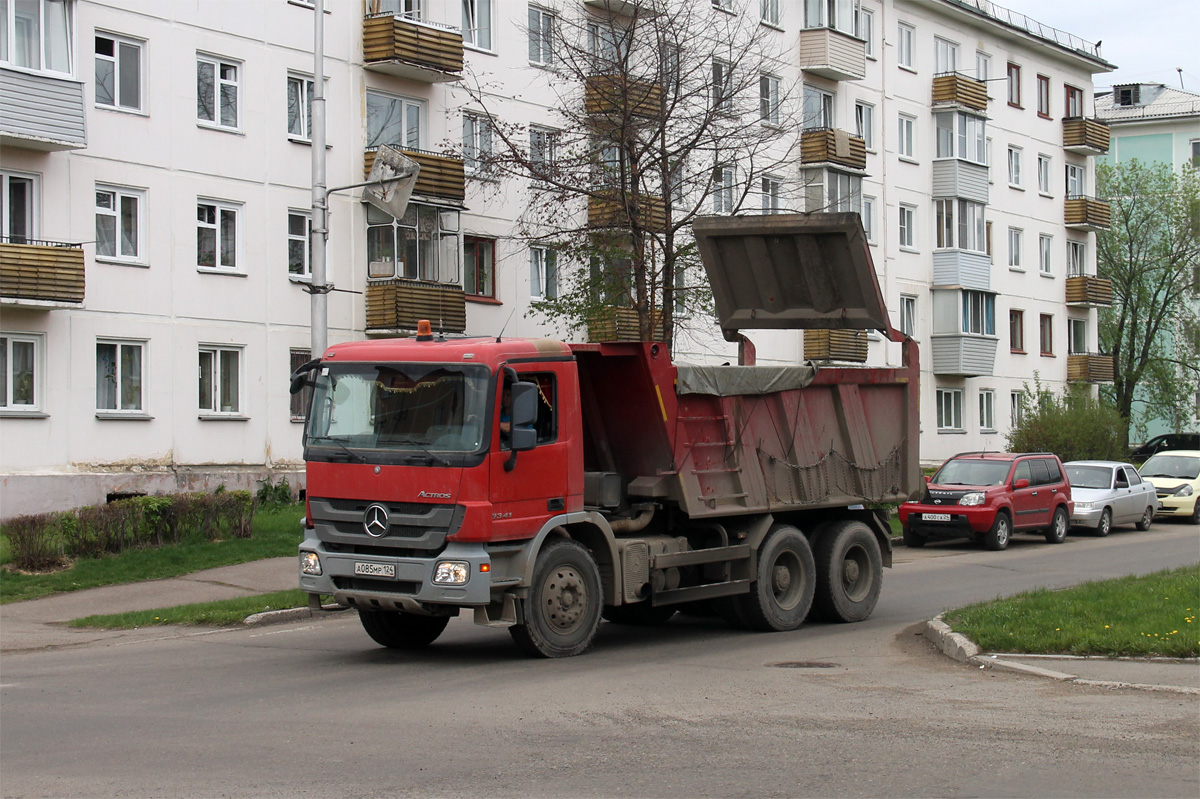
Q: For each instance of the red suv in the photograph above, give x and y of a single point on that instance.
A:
(989, 496)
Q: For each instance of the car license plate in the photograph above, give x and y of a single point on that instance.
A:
(936, 517)
(375, 569)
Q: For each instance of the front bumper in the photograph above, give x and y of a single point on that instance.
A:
(1086, 518)
(965, 520)
(1179, 507)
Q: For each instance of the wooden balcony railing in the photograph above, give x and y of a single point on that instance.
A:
(41, 271)
(835, 345)
(609, 213)
(953, 87)
(1089, 368)
(1089, 290)
(440, 175)
(1087, 213)
(412, 49)
(620, 324)
(1085, 136)
(394, 305)
(832, 146)
(617, 94)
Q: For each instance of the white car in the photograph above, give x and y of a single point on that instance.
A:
(1109, 493)
(1176, 475)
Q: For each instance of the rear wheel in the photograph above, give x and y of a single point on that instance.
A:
(913, 539)
(562, 611)
(1105, 525)
(402, 630)
(641, 613)
(1057, 532)
(782, 592)
(1146, 520)
(997, 538)
(849, 572)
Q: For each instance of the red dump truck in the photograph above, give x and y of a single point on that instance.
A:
(543, 486)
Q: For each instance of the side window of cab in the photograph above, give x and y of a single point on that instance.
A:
(1022, 473)
(1041, 474)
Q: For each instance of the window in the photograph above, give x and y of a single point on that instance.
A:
(1016, 331)
(905, 38)
(905, 146)
(836, 14)
(1074, 101)
(970, 231)
(477, 23)
(394, 120)
(864, 123)
(36, 34)
(1195, 143)
(722, 83)
(299, 107)
(722, 190)
(945, 56)
(410, 9)
(818, 108)
(1043, 96)
(908, 226)
(119, 375)
(1044, 174)
(302, 398)
(118, 73)
(949, 409)
(604, 47)
(1076, 258)
(217, 88)
(220, 376)
(422, 245)
(18, 204)
(543, 151)
(979, 313)
(217, 235)
(1046, 334)
(768, 99)
(987, 409)
(1077, 338)
(770, 195)
(843, 192)
(868, 218)
(1016, 408)
(865, 30)
(477, 142)
(908, 315)
(769, 11)
(1014, 167)
(300, 244)
(1014, 85)
(1016, 243)
(479, 264)
(118, 224)
(1044, 245)
(961, 136)
(1127, 95)
(541, 36)
(20, 372)
(1076, 181)
(983, 66)
(543, 273)
(724, 5)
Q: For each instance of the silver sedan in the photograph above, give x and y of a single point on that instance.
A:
(1108, 493)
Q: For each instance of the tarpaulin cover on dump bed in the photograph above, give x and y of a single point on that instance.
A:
(730, 381)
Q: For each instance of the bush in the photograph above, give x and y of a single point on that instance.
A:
(274, 496)
(1074, 426)
(35, 541)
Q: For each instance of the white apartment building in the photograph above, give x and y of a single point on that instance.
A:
(156, 167)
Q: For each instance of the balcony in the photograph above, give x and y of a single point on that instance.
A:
(40, 112)
(604, 212)
(953, 88)
(953, 177)
(833, 54)
(619, 324)
(1089, 291)
(1087, 213)
(962, 269)
(964, 355)
(617, 95)
(628, 8)
(43, 274)
(835, 345)
(440, 176)
(1085, 136)
(412, 49)
(395, 306)
(834, 147)
(1089, 368)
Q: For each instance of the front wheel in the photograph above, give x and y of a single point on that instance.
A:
(996, 538)
(782, 592)
(1058, 526)
(849, 572)
(402, 630)
(1196, 512)
(1146, 520)
(1105, 525)
(562, 611)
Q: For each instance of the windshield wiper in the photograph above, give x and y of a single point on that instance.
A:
(434, 459)
(349, 452)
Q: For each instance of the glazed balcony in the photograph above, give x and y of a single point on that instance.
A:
(440, 175)
(1087, 213)
(628, 8)
(833, 54)
(614, 95)
(43, 274)
(604, 212)
(1085, 136)
(41, 112)
(413, 49)
(395, 306)
(954, 88)
(1089, 368)
(835, 345)
(834, 147)
(620, 324)
(964, 355)
(1089, 291)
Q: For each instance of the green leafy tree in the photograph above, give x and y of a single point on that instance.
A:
(1074, 425)
(1152, 256)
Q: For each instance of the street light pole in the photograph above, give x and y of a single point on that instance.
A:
(319, 291)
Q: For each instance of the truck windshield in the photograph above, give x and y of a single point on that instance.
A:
(972, 472)
(419, 408)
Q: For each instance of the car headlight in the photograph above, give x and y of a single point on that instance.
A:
(451, 572)
(1083, 505)
(310, 563)
(1183, 491)
(975, 498)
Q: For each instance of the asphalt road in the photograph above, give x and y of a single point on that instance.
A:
(692, 709)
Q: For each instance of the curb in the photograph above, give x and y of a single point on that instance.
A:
(964, 650)
(290, 614)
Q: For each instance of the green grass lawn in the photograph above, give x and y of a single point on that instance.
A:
(221, 613)
(1154, 615)
(276, 532)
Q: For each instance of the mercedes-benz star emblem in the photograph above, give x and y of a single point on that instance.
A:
(375, 521)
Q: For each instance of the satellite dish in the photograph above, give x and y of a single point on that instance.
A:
(390, 184)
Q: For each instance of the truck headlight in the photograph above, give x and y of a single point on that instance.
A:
(1183, 491)
(1083, 505)
(451, 572)
(310, 563)
(975, 498)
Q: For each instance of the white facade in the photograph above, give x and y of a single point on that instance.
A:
(185, 332)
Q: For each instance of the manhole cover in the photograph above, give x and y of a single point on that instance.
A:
(803, 664)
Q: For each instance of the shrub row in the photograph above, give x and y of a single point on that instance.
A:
(44, 541)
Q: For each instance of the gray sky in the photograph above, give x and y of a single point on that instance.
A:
(1146, 40)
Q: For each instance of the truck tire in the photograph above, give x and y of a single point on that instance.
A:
(782, 592)
(640, 613)
(913, 539)
(402, 630)
(1056, 533)
(997, 538)
(562, 611)
(849, 572)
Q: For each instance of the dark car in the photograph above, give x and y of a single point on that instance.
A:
(1165, 442)
(987, 496)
